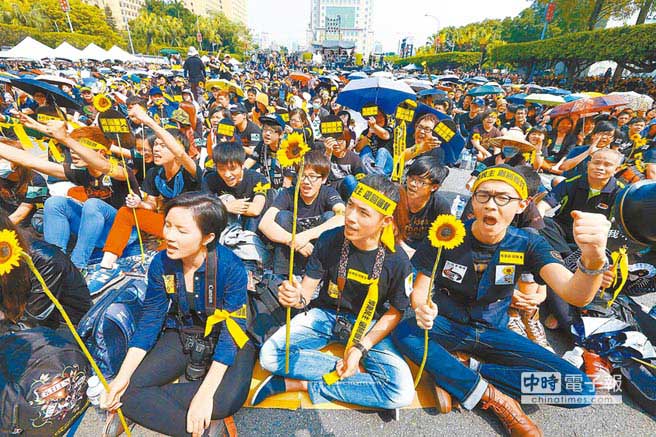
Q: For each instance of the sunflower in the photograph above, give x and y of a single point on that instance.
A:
(101, 102)
(638, 140)
(446, 232)
(292, 149)
(10, 251)
(508, 270)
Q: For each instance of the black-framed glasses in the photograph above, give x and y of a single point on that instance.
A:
(500, 199)
(417, 181)
(312, 178)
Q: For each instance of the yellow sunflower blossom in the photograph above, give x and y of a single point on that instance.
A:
(10, 251)
(292, 149)
(476, 137)
(101, 102)
(638, 140)
(446, 232)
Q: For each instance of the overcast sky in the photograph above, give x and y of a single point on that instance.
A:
(287, 20)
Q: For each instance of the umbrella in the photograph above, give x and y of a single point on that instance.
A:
(418, 85)
(32, 86)
(224, 85)
(452, 148)
(447, 78)
(572, 97)
(386, 93)
(55, 80)
(477, 80)
(300, 77)
(517, 99)
(555, 91)
(635, 101)
(412, 67)
(545, 99)
(485, 90)
(431, 92)
(385, 74)
(592, 93)
(585, 107)
(357, 75)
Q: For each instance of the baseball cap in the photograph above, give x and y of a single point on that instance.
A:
(237, 109)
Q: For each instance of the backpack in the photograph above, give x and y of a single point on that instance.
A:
(108, 326)
(43, 382)
(265, 314)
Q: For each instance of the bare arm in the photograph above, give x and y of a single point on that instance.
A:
(336, 221)
(382, 328)
(25, 159)
(272, 230)
(21, 212)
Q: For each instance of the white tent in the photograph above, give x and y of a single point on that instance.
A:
(29, 48)
(94, 53)
(118, 54)
(67, 51)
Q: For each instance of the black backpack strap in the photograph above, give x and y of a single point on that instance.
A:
(211, 264)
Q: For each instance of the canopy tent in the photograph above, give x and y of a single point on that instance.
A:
(118, 54)
(67, 51)
(29, 48)
(94, 53)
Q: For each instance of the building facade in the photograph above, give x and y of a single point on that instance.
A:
(122, 10)
(342, 20)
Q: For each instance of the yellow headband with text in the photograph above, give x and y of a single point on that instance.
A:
(508, 176)
(375, 199)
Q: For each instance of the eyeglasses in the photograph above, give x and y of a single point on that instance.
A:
(424, 129)
(484, 197)
(312, 178)
(418, 182)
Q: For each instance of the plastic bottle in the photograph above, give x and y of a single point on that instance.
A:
(574, 357)
(94, 390)
(458, 206)
(653, 312)
(464, 159)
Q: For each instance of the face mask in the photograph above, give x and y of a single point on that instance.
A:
(509, 151)
(316, 105)
(5, 169)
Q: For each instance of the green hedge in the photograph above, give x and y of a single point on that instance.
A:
(11, 34)
(629, 44)
(443, 60)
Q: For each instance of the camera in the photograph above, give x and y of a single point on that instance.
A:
(342, 329)
(200, 350)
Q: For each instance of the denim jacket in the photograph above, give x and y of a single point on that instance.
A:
(166, 289)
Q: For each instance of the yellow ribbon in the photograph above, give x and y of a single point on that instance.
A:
(506, 175)
(22, 136)
(620, 262)
(234, 329)
(374, 198)
(54, 151)
(399, 149)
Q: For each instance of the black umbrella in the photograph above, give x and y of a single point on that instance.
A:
(60, 98)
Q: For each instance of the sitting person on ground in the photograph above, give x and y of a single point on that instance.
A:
(425, 142)
(484, 131)
(22, 299)
(473, 288)
(319, 208)
(575, 163)
(358, 309)
(182, 277)
(375, 145)
(264, 157)
(345, 164)
(173, 174)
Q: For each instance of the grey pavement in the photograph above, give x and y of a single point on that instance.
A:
(626, 419)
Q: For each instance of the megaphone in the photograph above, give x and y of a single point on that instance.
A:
(635, 212)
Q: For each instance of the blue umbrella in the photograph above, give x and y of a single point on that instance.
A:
(555, 91)
(357, 75)
(571, 97)
(477, 79)
(30, 86)
(517, 99)
(385, 93)
(485, 90)
(452, 148)
(431, 92)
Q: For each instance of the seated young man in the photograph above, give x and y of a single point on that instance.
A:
(242, 190)
(319, 208)
(345, 164)
(473, 289)
(423, 179)
(365, 280)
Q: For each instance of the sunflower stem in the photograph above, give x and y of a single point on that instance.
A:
(288, 316)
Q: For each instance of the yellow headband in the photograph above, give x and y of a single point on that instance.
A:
(91, 144)
(375, 199)
(508, 176)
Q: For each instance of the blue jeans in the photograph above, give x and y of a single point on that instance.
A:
(89, 221)
(383, 160)
(387, 382)
(505, 353)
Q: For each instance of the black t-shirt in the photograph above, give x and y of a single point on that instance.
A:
(377, 142)
(466, 123)
(349, 164)
(269, 166)
(137, 163)
(35, 193)
(395, 281)
(105, 188)
(182, 182)
(309, 216)
(420, 221)
(524, 127)
(212, 183)
(251, 135)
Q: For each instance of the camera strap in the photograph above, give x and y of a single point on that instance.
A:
(210, 282)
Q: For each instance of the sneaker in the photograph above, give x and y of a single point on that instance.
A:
(101, 278)
(534, 329)
(273, 385)
(515, 322)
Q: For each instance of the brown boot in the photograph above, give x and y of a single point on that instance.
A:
(534, 329)
(510, 413)
(443, 400)
(598, 370)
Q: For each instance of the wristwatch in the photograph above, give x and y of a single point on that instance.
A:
(359, 346)
(587, 271)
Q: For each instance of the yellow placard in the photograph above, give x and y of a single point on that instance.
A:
(332, 127)
(506, 257)
(226, 130)
(444, 131)
(114, 125)
(404, 114)
(369, 111)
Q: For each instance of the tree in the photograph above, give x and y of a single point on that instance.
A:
(109, 18)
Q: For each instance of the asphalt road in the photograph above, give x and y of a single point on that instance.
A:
(626, 419)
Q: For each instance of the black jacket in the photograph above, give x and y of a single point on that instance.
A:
(64, 281)
(194, 69)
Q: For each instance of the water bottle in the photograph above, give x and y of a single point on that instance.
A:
(653, 312)
(458, 206)
(94, 390)
(574, 357)
(464, 159)
(471, 165)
